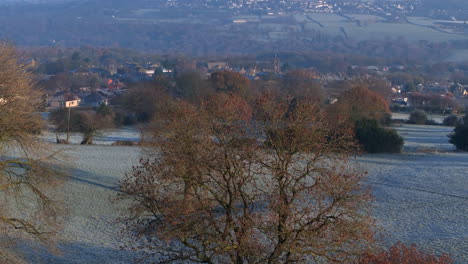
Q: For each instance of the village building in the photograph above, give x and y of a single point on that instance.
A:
(217, 65)
(64, 99)
(95, 100)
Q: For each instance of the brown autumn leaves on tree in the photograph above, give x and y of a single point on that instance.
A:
(402, 254)
(27, 209)
(230, 184)
(360, 102)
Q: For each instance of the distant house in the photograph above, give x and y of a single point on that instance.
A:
(64, 99)
(217, 65)
(372, 68)
(115, 85)
(101, 72)
(459, 90)
(149, 72)
(85, 89)
(401, 101)
(435, 88)
(240, 21)
(396, 89)
(95, 100)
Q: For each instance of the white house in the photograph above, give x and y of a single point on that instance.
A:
(65, 99)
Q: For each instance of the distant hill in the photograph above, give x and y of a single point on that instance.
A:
(192, 28)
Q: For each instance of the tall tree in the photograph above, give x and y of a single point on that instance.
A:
(144, 99)
(360, 102)
(191, 87)
(221, 187)
(230, 81)
(304, 83)
(27, 210)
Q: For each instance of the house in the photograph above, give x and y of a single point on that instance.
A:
(401, 101)
(149, 72)
(459, 90)
(217, 65)
(65, 99)
(115, 85)
(396, 89)
(101, 72)
(95, 100)
(372, 68)
(435, 88)
(107, 93)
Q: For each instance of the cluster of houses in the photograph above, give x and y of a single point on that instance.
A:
(86, 97)
(425, 93)
(259, 71)
(94, 97)
(133, 72)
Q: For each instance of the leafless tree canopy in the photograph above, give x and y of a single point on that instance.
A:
(230, 183)
(27, 210)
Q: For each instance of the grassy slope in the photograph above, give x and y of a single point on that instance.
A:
(420, 198)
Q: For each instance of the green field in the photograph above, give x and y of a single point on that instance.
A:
(354, 26)
(375, 27)
(459, 55)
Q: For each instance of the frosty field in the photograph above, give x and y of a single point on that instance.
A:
(421, 197)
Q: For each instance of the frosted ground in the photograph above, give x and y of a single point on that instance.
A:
(421, 196)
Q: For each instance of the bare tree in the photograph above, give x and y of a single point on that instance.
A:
(223, 187)
(89, 121)
(27, 209)
(304, 83)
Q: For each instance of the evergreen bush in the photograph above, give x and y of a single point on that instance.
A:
(377, 139)
(418, 117)
(459, 137)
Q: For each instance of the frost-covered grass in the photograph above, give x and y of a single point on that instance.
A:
(405, 116)
(104, 137)
(420, 138)
(90, 233)
(421, 196)
(422, 199)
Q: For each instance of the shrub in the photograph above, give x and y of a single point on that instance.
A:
(418, 117)
(451, 120)
(123, 118)
(402, 254)
(386, 119)
(459, 137)
(377, 139)
(87, 122)
(431, 122)
(125, 143)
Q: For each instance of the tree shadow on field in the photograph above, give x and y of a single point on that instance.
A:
(424, 160)
(87, 177)
(74, 253)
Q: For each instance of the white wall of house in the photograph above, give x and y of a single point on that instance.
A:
(73, 103)
(57, 103)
